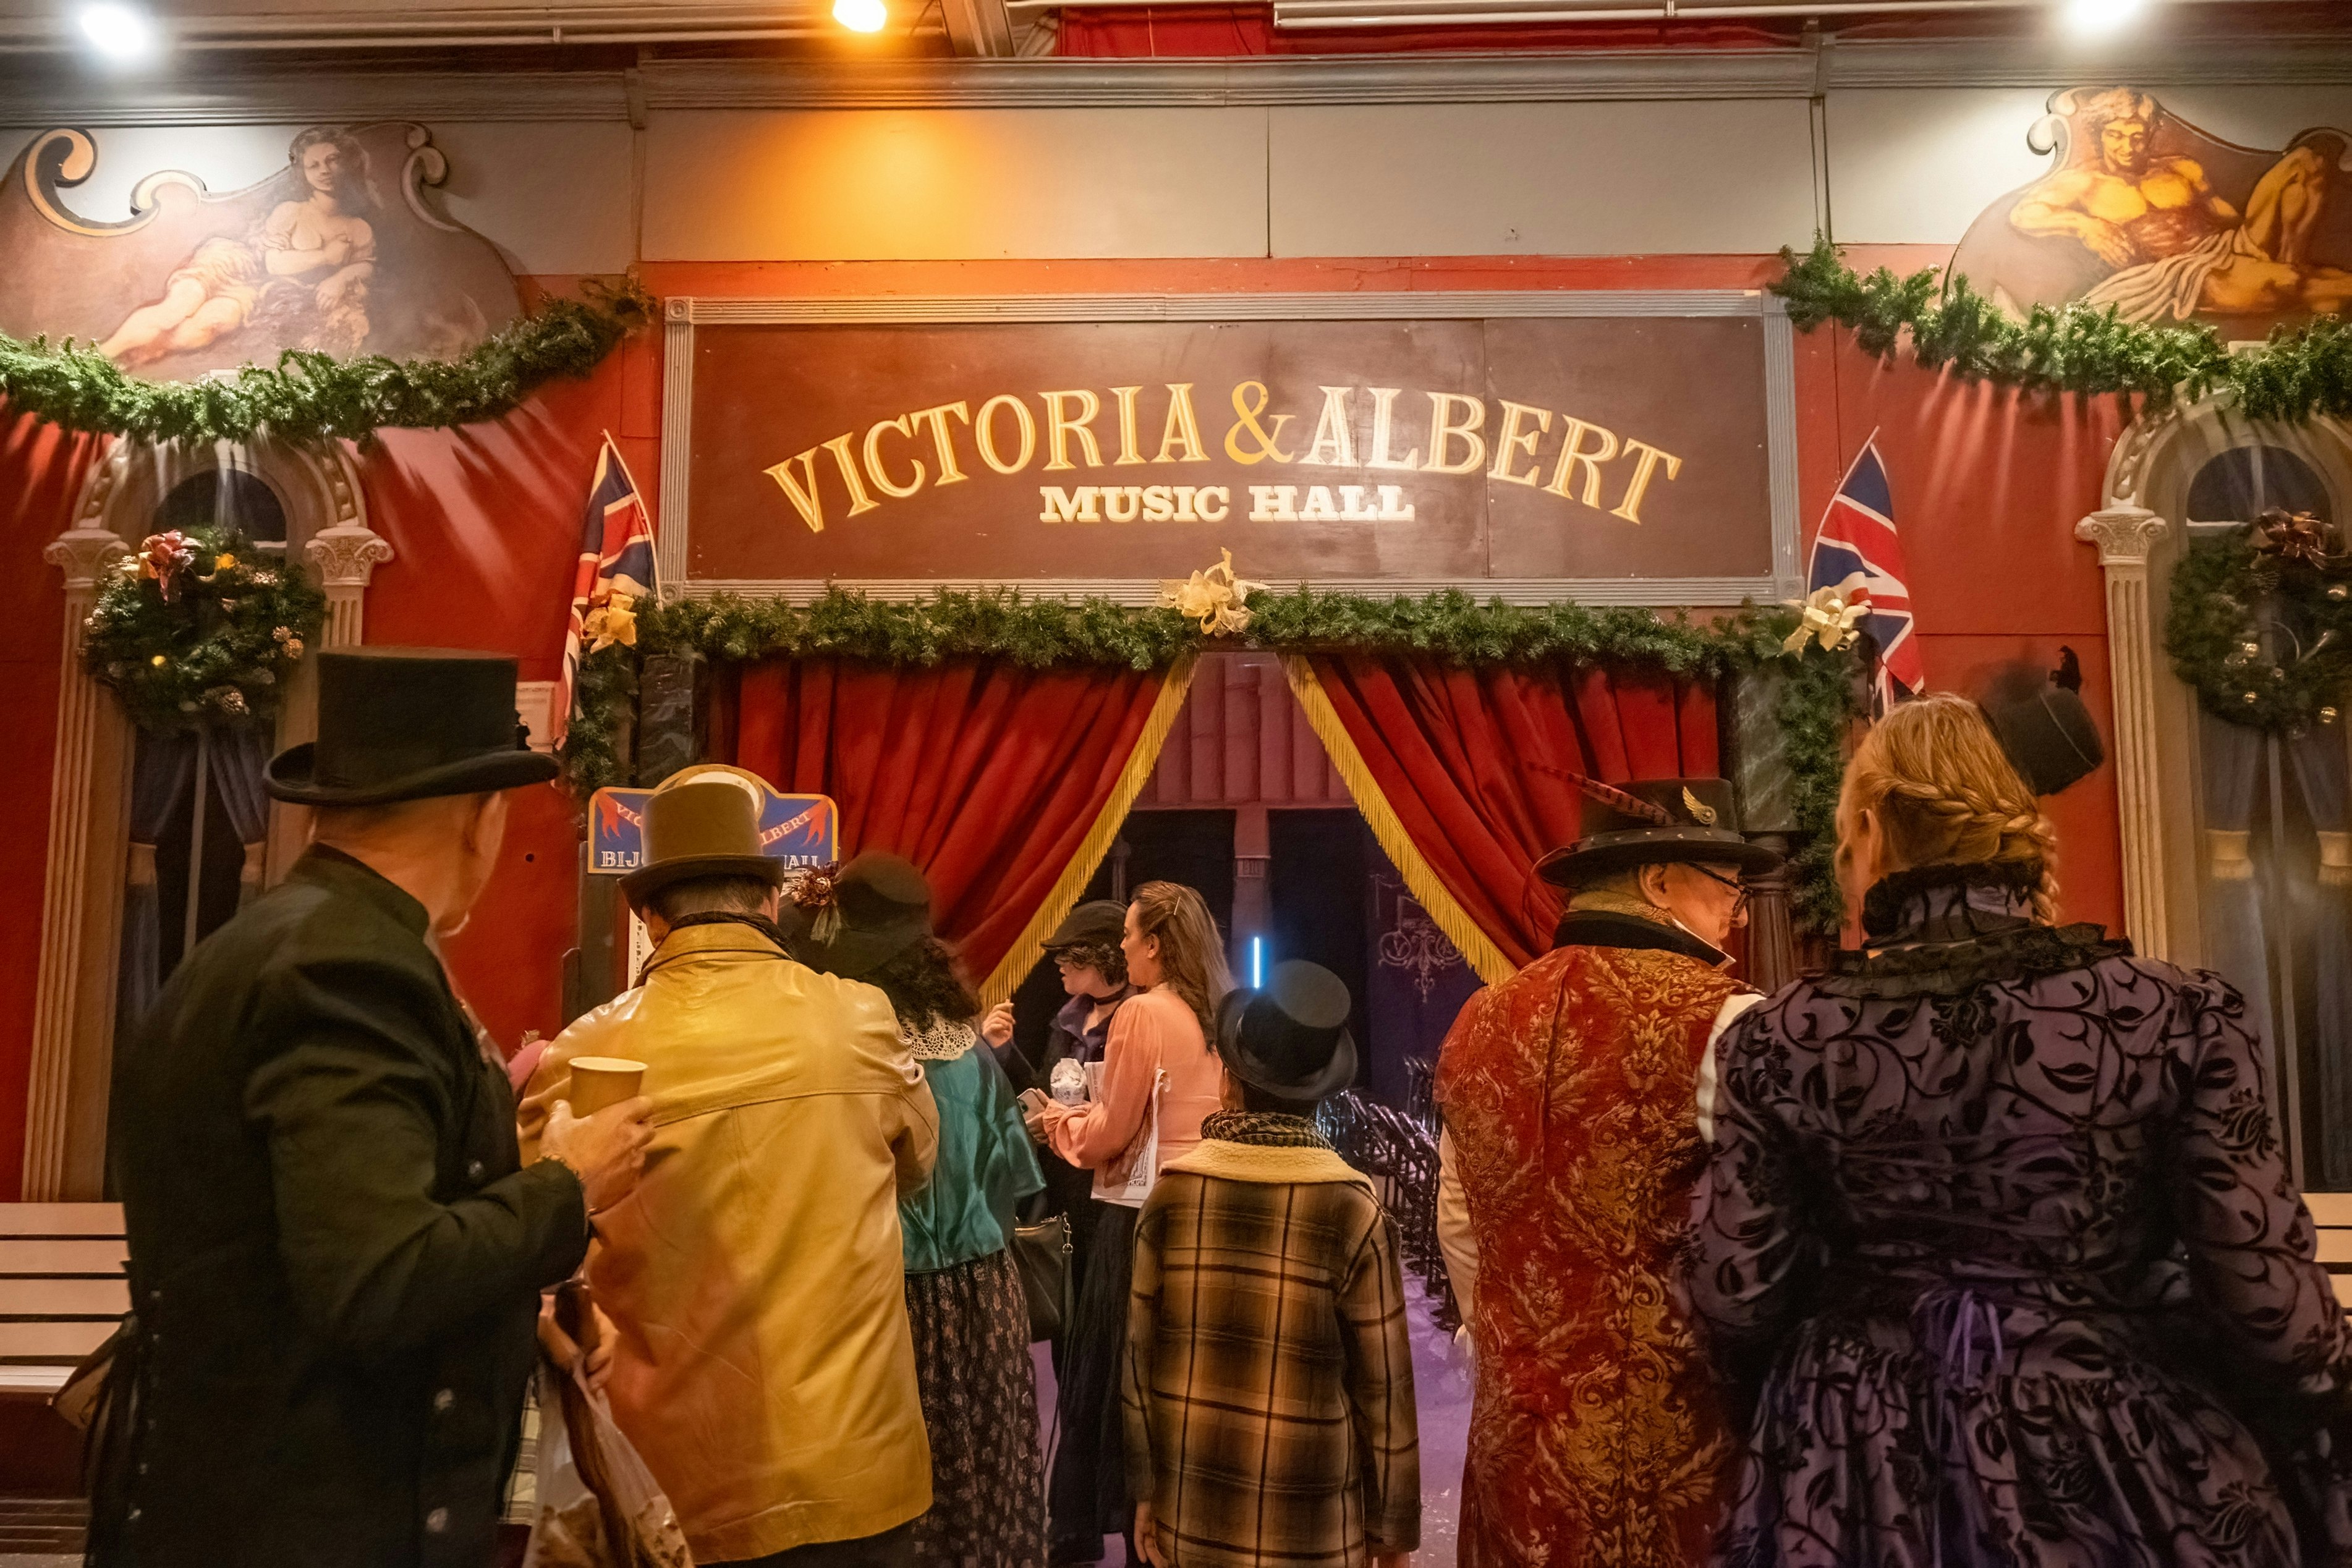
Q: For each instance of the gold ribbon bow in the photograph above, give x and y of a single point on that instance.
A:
(2294, 536)
(1216, 598)
(613, 620)
(1829, 615)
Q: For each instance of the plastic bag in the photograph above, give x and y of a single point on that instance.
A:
(599, 1507)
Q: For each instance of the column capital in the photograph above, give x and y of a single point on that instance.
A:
(348, 554)
(2125, 535)
(86, 553)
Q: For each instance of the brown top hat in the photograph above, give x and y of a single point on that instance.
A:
(701, 827)
(1651, 820)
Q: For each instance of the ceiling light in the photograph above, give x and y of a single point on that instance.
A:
(2100, 16)
(121, 34)
(860, 15)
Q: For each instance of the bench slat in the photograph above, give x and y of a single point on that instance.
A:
(2329, 1208)
(51, 1342)
(105, 1258)
(63, 1298)
(22, 1219)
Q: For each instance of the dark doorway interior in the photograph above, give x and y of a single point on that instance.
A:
(1320, 892)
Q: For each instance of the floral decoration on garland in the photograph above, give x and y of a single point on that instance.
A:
(201, 629)
(308, 396)
(2261, 623)
(2300, 371)
(1818, 700)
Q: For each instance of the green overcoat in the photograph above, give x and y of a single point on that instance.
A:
(335, 1256)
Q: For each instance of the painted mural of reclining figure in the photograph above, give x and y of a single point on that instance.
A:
(310, 258)
(2178, 247)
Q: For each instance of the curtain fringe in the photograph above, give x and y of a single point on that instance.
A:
(1030, 946)
(1484, 957)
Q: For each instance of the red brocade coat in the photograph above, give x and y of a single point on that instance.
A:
(1597, 1438)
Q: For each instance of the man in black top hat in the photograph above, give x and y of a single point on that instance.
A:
(1268, 1387)
(336, 1255)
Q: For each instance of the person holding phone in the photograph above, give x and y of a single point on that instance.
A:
(1159, 1081)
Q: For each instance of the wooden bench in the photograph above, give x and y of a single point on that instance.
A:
(62, 1290)
(2332, 1212)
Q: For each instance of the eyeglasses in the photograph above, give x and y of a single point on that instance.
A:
(1732, 882)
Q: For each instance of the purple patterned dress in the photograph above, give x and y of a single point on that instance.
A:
(1999, 1248)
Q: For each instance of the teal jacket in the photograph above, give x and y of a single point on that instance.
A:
(986, 1166)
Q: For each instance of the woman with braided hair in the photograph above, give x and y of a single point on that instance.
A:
(1998, 1247)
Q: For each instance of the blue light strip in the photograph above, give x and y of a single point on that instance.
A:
(1257, 963)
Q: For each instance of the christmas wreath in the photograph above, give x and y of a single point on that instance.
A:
(2261, 623)
(201, 629)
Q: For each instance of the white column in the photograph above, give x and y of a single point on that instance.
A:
(73, 999)
(346, 556)
(2125, 535)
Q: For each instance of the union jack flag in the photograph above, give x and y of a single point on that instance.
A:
(1857, 538)
(615, 570)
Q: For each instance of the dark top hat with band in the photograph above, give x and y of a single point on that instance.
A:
(857, 920)
(707, 826)
(409, 724)
(1290, 1039)
(1651, 820)
(1101, 924)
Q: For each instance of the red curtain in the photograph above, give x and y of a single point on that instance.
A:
(1480, 766)
(988, 777)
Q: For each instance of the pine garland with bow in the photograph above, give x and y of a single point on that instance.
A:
(1818, 691)
(313, 397)
(2260, 624)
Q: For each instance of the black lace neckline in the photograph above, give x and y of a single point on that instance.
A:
(1943, 929)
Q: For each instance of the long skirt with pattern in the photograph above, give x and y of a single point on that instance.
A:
(980, 1406)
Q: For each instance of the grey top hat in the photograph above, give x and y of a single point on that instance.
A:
(1290, 1039)
(409, 724)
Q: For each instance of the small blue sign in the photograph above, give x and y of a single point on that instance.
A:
(798, 829)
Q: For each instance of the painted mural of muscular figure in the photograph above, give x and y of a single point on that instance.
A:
(314, 255)
(2179, 248)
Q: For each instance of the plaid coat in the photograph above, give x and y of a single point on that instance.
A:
(1269, 1379)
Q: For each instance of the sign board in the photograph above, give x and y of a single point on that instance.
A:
(799, 830)
(1624, 447)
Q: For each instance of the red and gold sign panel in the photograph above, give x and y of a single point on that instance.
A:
(1622, 448)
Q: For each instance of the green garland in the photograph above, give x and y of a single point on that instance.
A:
(219, 650)
(1818, 697)
(311, 397)
(2212, 630)
(2300, 371)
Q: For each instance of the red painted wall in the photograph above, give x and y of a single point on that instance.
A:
(1986, 485)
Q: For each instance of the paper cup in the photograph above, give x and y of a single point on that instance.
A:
(601, 1080)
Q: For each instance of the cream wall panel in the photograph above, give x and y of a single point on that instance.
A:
(1916, 167)
(551, 197)
(2260, 117)
(1543, 179)
(946, 185)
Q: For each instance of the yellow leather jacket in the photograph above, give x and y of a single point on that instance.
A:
(764, 1369)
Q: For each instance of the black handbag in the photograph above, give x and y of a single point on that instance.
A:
(1042, 1252)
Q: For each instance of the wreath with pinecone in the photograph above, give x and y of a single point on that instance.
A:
(2261, 623)
(200, 630)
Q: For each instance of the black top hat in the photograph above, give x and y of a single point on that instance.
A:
(1652, 820)
(882, 905)
(703, 826)
(1290, 1039)
(2046, 730)
(1099, 924)
(409, 724)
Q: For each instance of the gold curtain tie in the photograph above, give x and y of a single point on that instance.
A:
(141, 871)
(2229, 852)
(2334, 859)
